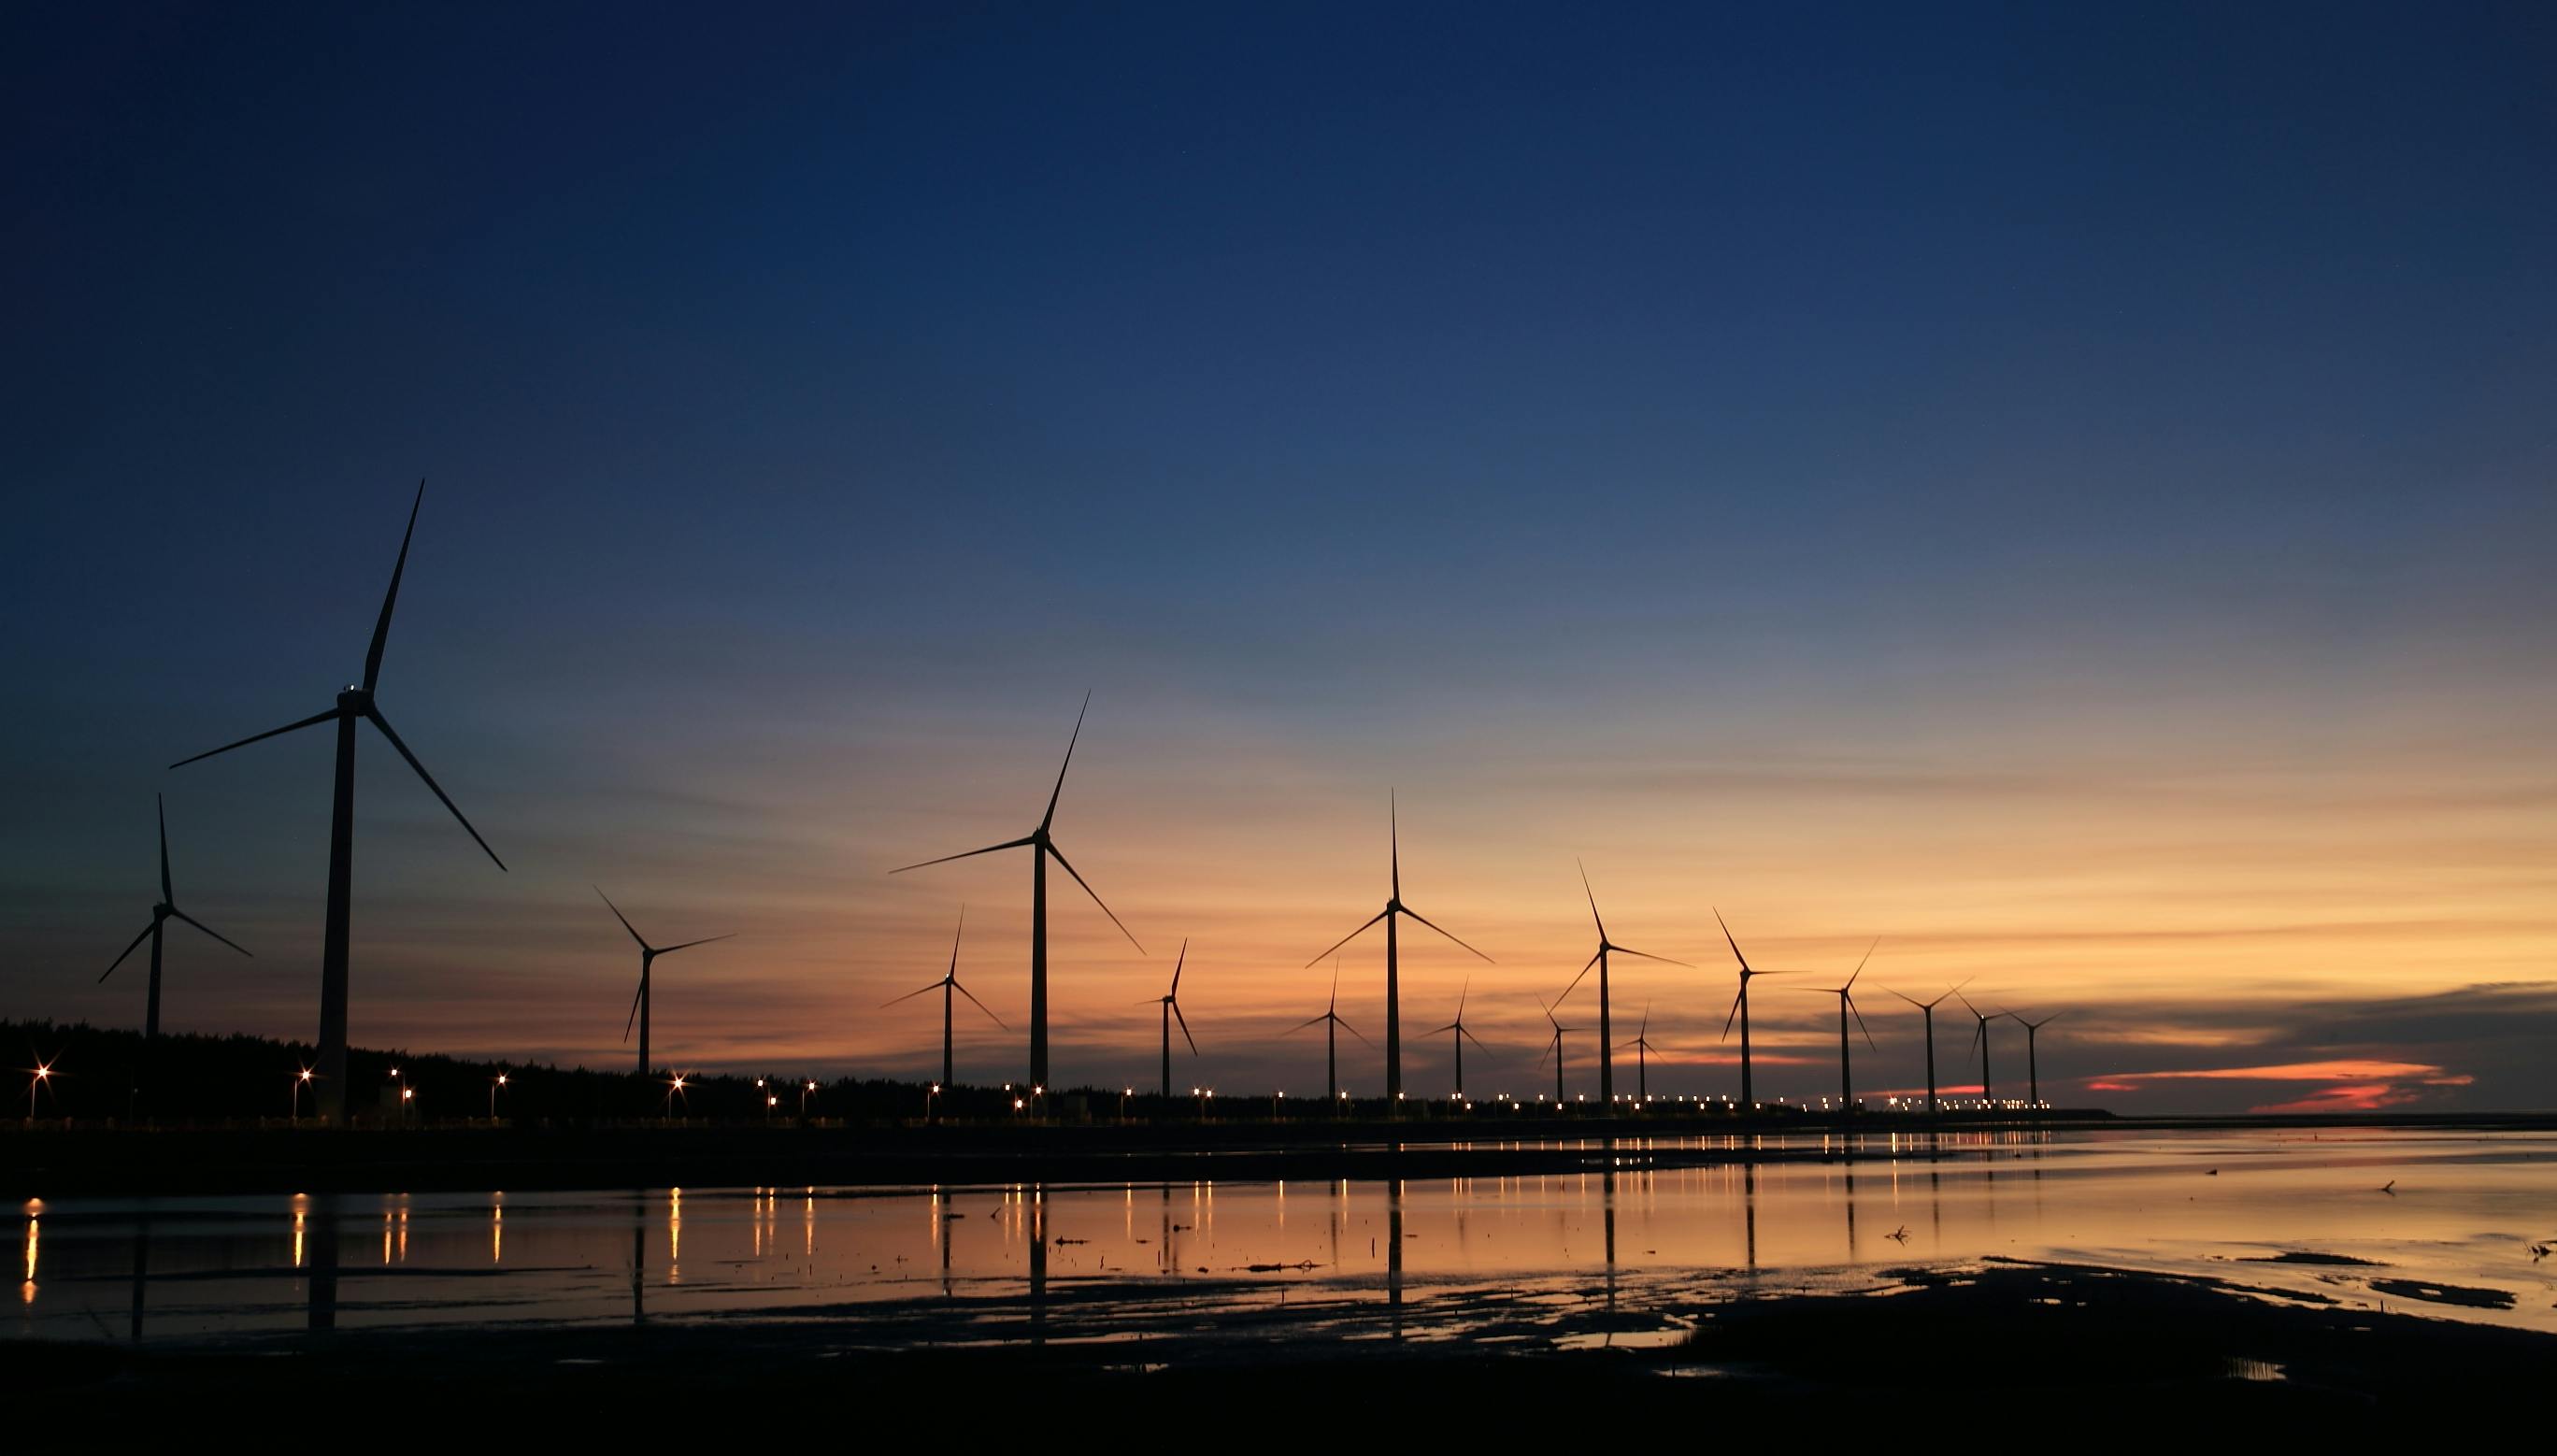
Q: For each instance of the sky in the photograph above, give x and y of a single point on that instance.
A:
(2066, 491)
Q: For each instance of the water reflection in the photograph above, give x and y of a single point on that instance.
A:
(1623, 1243)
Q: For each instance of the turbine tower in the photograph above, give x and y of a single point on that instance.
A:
(1740, 1009)
(1171, 1002)
(1980, 1042)
(354, 705)
(1554, 1049)
(1846, 1006)
(1642, 1045)
(1606, 1028)
(946, 985)
(1927, 1009)
(161, 914)
(1462, 1035)
(649, 955)
(1394, 907)
(2032, 1062)
(1043, 845)
(1333, 1026)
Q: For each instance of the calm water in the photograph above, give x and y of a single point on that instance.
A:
(1629, 1257)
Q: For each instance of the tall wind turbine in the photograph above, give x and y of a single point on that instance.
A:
(354, 705)
(1846, 1006)
(1462, 1035)
(1740, 1009)
(1927, 1009)
(1606, 1028)
(649, 955)
(1394, 907)
(1171, 1002)
(946, 985)
(1980, 1041)
(1043, 845)
(1554, 1049)
(1642, 1045)
(161, 914)
(1333, 1026)
(2032, 1062)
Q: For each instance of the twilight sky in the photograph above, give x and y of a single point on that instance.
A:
(2070, 490)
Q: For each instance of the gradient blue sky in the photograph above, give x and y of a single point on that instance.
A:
(2065, 488)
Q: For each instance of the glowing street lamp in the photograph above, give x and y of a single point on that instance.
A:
(41, 1078)
(929, 1093)
(299, 1082)
(804, 1092)
(493, 1089)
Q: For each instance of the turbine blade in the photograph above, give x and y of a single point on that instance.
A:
(1593, 900)
(617, 916)
(1911, 999)
(980, 1005)
(1185, 1029)
(128, 950)
(1575, 981)
(642, 990)
(1335, 1004)
(1345, 939)
(911, 995)
(1435, 1030)
(1425, 920)
(384, 724)
(1352, 1031)
(1301, 1025)
(965, 854)
(954, 942)
(1734, 1014)
(1648, 956)
(168, 896)
(1727, 939)
(312, 721)
(687, 944)
(1859, 965)
(178, 914)
(1050, 816)
(1469, 1036)
(390, 598)
(1460, 1000)
(1859, 1023)
(1096, 898)
(1179, 961)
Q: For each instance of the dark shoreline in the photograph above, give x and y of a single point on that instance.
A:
(91, 1161)
(2048, 1341)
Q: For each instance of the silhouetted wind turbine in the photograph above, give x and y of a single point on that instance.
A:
(354, 705)
(1043, 845)
(1927, 1009)
(1554, 1049)
(649, 955)
(161, 914)
(1393, 907)
(946, 985)
(1461, 1036)
(2033, 1062)
(1606, 1028)
(1333, 1026)
(1740, 1009)
(1846, 1004)
(1171, 1002)
(1979, 1042)
(1642, 1045)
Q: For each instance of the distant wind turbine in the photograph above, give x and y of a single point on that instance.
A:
(354, 705)
(1740, 1009)
(1333, 1026)
(1554, 1049)
(649, 955)
(946, 985)
(1606, 1028)
(1461, 1035)
(1171, 1002)
(1846, 1006)
(1980, 1041)
(2032, 1062)
(1394, 907)
(1927, 1009)
(161, 914)
(1642, 1045)
(1043, 845)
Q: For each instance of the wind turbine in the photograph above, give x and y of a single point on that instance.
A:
(1554, 1049)
(354, 705)
(1846, 1004)
(1333, 1026)
(1043, 845)
(1980, 1041)
(649, 955)
(946, 985)
(1393, 907)
(1642, 1045)
(1740, 1009)
(1606, 1028)
(1928, 1009)
(1171, 1002)
(1462, 1035)
(2032, 1062)
(161, 914)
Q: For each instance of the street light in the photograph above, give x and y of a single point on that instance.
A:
(297, 1084)
(43, 1073)
(804, 1098)
(493, 1089)
(929, 1093)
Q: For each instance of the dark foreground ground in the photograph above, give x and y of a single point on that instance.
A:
(1995, 1355)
